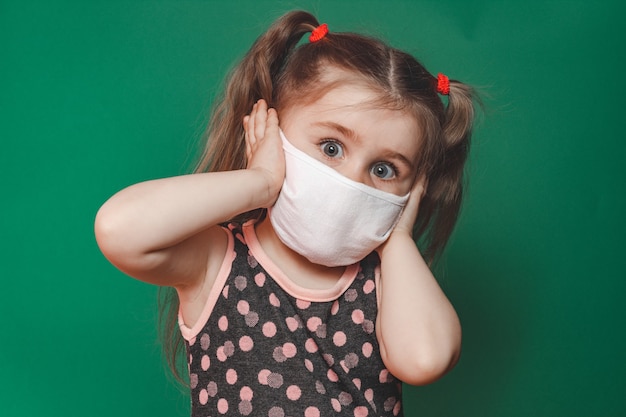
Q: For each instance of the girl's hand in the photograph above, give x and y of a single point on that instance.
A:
(417, 328)
(264, 149)
(409, 215)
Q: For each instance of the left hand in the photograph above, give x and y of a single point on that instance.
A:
(409, 215)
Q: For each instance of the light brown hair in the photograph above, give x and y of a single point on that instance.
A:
(282, 70)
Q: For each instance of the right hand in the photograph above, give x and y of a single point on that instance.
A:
(264, 148)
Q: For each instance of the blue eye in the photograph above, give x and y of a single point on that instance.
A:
(332, 149)
(384, 170)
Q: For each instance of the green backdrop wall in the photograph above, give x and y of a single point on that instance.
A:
(95, 96)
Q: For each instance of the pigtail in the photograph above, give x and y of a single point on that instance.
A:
(442, 202)
(252, 79)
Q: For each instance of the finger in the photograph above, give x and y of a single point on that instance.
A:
(247, 137)
(260, 119)
(250, 126)
(271, 125)
(420, 186)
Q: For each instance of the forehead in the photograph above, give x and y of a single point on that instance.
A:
(355, 110)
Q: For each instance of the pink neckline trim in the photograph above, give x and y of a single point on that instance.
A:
(293, 289)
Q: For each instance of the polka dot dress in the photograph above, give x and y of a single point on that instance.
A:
(266, 347)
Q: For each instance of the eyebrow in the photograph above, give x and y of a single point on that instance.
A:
(351, 134)
(345, 131)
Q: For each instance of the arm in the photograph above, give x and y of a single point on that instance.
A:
(164, 231)
(418, 330)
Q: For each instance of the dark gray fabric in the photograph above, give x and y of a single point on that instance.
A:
(263, 352)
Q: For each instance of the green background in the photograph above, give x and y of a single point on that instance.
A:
(95, 96)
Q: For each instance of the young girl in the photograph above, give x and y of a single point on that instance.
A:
(299, 289)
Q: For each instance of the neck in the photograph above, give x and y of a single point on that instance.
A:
(297, 268)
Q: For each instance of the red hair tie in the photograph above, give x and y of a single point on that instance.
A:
(318, 33)
(443, 84)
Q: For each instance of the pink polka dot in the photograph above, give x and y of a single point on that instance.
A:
(344, 367)
(274, 300)
(369, 394)
(303, 304)
(269, 329)
(312, 412)
(335, 403)
(193, 380)
(229, 348)
(211, 389)
(308, 364)
(289, 350)
(360, 411)
(339, 339)
(367, 349)
(252, 318)
(320, 388)
(245, 408)
(313, 323)
(351, 360)
(357, 382)
(276, 412)
(221, 356)
(334, 309)
(389, 403)
(278, 354)
(350, 295)
(345, 398)
(205, 362)
(260, 279)
(396, 408)
(222, 406)
(383, 376)
(241, 282)
(263, 376)
(205, 341)
(292, 323)
(246, 344)
(246, 393)
(293, 392)
(275, 380)
(225, 292)
(243, 307)
(203, 397)
(310, 346)
(332, 376)
(328, 358)
(321, 331)
(222, 323)
(251, 260)
(369, 286)
(368, 326)
(358, 316)
(231, 376)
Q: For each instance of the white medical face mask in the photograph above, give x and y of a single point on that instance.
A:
(328, 218)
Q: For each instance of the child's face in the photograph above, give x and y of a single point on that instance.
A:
(374, 146)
